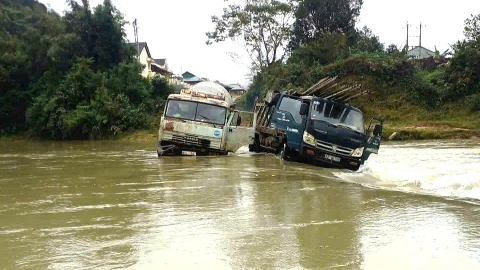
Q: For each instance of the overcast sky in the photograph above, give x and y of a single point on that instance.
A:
(175, 29)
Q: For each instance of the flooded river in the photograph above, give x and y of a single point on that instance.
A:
(115, 205)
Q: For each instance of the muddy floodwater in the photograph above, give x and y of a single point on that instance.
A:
(116, 205)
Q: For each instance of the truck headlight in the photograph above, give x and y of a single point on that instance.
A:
(308, 138)
(357, 152)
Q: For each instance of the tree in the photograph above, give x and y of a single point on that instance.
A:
(71, 77)
(392, 49)
(324, 50)
(263, 26)
(463, 71)
(101, 32)
(26, 36)
(472, 27)
(317, 17)
(365, 41)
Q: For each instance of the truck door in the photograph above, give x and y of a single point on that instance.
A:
(238, 135)
(372, 145)
(287, 117)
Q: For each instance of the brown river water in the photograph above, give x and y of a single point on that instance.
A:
(116, 205)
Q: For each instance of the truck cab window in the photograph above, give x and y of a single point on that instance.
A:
(291, 106)
(211, 114)
(181, 109)
(336, 113)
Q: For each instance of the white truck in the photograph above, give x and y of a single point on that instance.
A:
(197, 122)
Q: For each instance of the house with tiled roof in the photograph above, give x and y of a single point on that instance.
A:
(162, 62)
(419, 52)
(191, 78)
(151, 66)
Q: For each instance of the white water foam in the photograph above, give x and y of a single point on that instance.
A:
(441, 168)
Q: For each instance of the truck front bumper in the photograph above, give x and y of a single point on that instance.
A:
(315, 155)
(168, 148)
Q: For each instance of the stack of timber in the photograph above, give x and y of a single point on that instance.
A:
(335, 89)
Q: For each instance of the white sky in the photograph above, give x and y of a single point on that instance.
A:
(175, 29)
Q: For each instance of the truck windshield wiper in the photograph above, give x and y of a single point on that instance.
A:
(204, 117)
(347, 127)
(326, 122)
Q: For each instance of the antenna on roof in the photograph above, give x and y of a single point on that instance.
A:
(135, 33)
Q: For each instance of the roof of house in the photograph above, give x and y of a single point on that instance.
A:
(190, 77)
(420, 52)
(157, 68)
(160, 61)
(141, 46)
(222, 84)
(235, 87)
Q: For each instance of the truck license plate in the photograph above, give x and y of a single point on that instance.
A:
(330, 157)
(189, 153)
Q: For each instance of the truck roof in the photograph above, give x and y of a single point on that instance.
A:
(310, 98)
(213, 101)
(209, 90)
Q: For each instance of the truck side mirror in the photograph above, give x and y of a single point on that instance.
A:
(303, 109)
(239, 120)
(377, 130)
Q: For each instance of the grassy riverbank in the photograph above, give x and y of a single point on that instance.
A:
(414, 122)
(408, 121)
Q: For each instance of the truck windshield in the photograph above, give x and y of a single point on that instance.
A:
(195, 111)
(337, 114)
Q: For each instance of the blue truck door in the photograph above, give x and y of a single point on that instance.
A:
(287, 117)
(373, 140)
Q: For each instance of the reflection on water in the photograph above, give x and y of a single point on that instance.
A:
(108, 205)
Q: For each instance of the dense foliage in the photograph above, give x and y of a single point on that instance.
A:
(325, 42)
(75, 76)
(72, 76)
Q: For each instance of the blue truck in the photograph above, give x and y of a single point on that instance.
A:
(315, 129)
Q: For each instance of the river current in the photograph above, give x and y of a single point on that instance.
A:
(116, 205)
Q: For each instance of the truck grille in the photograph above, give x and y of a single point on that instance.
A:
(332, 148)
(192, 139)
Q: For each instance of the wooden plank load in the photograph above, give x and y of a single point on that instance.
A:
(335, 89)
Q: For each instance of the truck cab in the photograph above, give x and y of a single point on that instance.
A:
(196, 122)
(315, 129)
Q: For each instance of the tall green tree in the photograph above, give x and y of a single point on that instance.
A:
(463, 71)
(27, 33)
(317, 17)
(472, 27)
(261, 26)
(364, 40)
(101, 31)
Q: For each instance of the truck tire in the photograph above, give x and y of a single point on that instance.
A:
(284, 151)
(355, 168)
(255, 147)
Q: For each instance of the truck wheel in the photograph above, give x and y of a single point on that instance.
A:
(284, 152)
(355, 168)
(255, 147)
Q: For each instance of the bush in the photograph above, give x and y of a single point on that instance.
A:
(473, 102)
(89, 105)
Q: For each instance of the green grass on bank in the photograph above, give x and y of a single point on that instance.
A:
(409, 121)
(415, 122)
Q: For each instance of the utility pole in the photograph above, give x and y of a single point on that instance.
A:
(407, 35)
(420, 36)
(135, 33)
